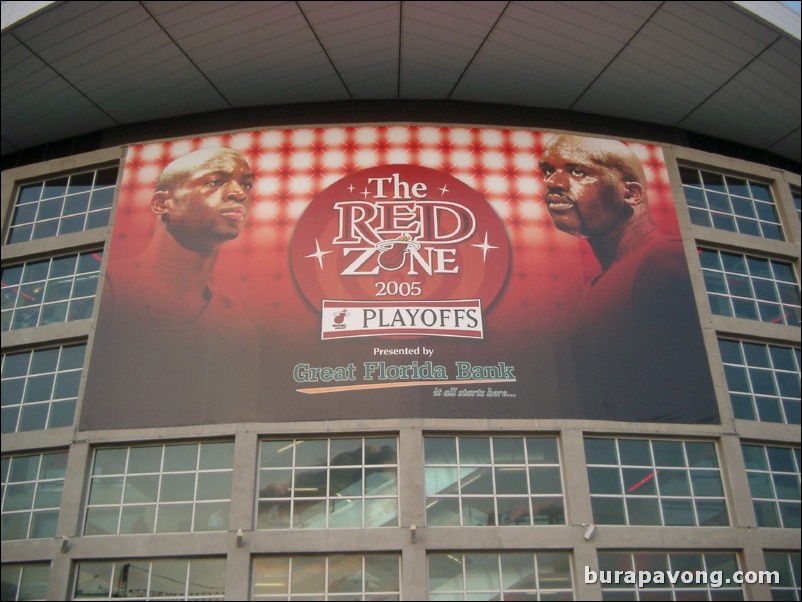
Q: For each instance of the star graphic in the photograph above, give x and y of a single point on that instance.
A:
(351, 188)
(365, 193)
(443, 190)
(318, 254)
(485, 248)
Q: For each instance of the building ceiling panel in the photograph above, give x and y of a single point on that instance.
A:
(572, 27)
(368, 86)
(453, 20)
(620, 89)
(725, 113)
(331, 20)
(116, 66)
(152, 80)
(254, 32)
(347, 45)
(258, 49)
(129, 109)
(524, 76)
(788, 146)
(421, 80)
(133, 41)
(362, 41)
(88, 33)
(385, 59)
(286, 84)
(285, 90)
(22, 70)
(696, 56)
(741, 23)
(708, 67)
(34, 125)
(63, 20)
(422, 37)
(193, 22)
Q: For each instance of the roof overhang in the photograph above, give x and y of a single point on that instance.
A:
(723, 69)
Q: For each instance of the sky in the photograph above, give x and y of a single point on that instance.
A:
(794, 6)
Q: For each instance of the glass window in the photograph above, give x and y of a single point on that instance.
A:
(520, 575)
(653, 482)
(171, 488)
(145, 579)
(25, 581)
(763, 381)
(32, 488)
(334, 577)
(506, 481)
(63, 204)
(702, 576)
(730, 203)
(748, 287)
(787, 565)
(40, 387)
(773, 474)
(797, 196)
(50, 291)
(328, 483)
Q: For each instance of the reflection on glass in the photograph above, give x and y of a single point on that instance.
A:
(174, 518)
(661, 489)
(773, 474)
(678, 562)
(165, 578)
(520, 575)
(493, 479)
(32, 487)
(159, 489)
(336, 577)
(381, 512)
(271, 576)
(328, 483)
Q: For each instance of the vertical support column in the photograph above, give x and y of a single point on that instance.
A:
(753, 560)
(575, 475)
(243, 496)
(579, 512)
(69, 520)
(412, 512)
(736, 484)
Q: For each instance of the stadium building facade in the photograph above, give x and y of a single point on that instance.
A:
(409, 387)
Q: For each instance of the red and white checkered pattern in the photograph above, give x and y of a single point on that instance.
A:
(292, 165)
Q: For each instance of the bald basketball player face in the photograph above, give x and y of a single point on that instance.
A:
(205, 195)
(589, 190)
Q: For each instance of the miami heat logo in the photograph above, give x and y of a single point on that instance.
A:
(391, 252)
(401, 237)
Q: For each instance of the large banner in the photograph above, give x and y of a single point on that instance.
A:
(396, 272)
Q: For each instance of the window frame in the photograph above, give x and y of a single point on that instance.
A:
(637, 561)
(548, 514)
(40, 489)
(13, 411)
(275, 504)
(706, 204)
(720, 281)
(669, 481)
(747, 382)
(93, 191)
(118, 565)
(76, 307)
(153, 483)
(326, 594)
(759, 476)
(463, 557)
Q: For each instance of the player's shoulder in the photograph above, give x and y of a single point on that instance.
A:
(663, 254)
